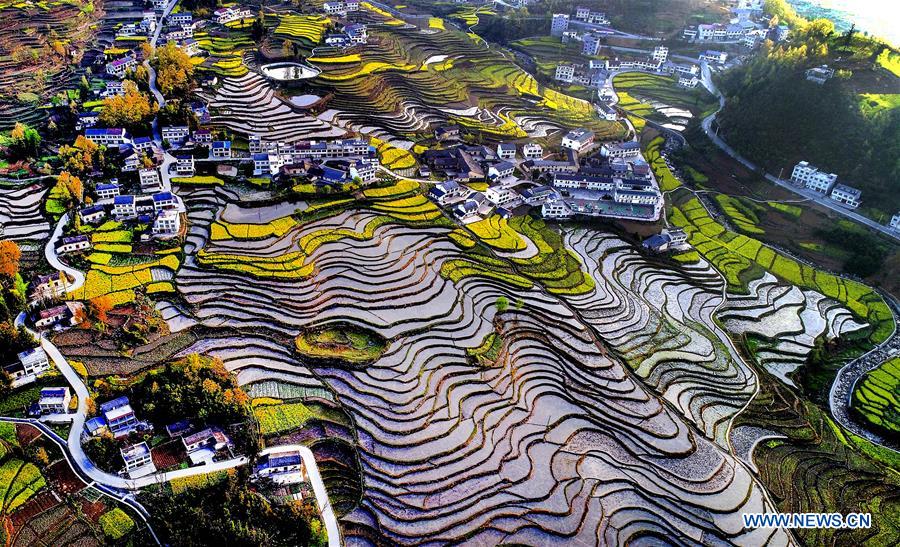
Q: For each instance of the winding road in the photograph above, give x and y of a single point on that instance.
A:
(53, 258)
(815, 197)
(312, 470)
(118, 487)
(841, 394)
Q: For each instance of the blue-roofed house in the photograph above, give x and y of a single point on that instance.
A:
(281, 465)
(164, 200)
(54, 400)
(119, 416)
(142, 145)
(447, 191)
(107, 190)
(106, 136)
(124, 207)
(93, 214)
(501, 170)
(95, 426)
(221, 150)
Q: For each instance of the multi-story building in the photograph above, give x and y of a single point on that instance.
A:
(565, 73)
(630, 149)
(221, 150)
(501, 169)
(48, 286)
(54, 400)
(211, 438)
(164, 200)
(51, 317)
(119, 67)
(111, 136)
(167, 222)
(506, 151)
(503, 196)
(591, 44)
(357, 32)
(447, 192)
(556, 208)
(93, 214)
(32, 363)
(107, 190)
(73, 244)
(559, 24)
(847, 195)
(532, 151)
(181, 19)
(142, 145)
(606, 112)
(895, 222)
(227, 15)
(712, 56)
(138, 460)
(202, 136)
(660, 53)
(124, 207)
(150, 181)
(335, 8)
(812, 178)
(820, 74)
(176, 134)
(184, 165)
(119, 416)
(275, 464)
(578, 140)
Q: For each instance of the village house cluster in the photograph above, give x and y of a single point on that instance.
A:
(323, 162)
(616, 182)
(595, 73)
(810, 177)
(748, 26)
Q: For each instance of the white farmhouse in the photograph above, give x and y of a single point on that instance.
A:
(847, 195)
(812, 178)
(578, 140)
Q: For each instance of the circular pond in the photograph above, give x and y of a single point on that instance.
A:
(289, 71)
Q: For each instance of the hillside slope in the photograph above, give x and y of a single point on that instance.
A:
(849, 126)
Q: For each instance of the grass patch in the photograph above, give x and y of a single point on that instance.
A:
(116, 524)
(342, 342)
(198, 181)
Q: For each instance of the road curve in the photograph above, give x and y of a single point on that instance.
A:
(117, 495)
(841, 393)
(312, 469)
(809, 194)
(53, 258)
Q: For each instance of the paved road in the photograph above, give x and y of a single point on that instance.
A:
(81, 459)
(840, 396)
(53, 258)
(153, 40)
(816, 197)
(312, 469)
(126, 498)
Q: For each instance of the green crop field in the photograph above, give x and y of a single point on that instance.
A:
(876, 397)
(742, 259)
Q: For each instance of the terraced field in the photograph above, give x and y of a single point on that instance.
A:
(409, 80)
(452, 447)
(876, 397)
(32, 67)
(20, 213)
(248, 104)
